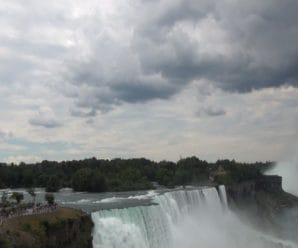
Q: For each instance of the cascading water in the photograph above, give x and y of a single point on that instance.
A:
(179, 219)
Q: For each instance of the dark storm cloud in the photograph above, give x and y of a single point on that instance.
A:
(262, 37)
(144, 50)
(138, 92)
(62, 63)
(159, 16)
(239, 46)
(104, 98)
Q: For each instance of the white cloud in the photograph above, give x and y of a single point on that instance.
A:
(45, 117)
(5, 134)
(128, 78)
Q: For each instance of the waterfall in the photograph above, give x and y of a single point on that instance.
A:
(223, 195)
(184, 218)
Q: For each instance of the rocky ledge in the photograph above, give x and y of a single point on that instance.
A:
(261, 200)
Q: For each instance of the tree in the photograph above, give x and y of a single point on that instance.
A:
(32, 193)
(97, 183)
(1, 184)
(53, 184)
(89, 180)
(49, 197)
(182, 177)
(17, 196)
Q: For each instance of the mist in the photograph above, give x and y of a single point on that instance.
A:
(188, 219)
(288, 170)
(222, 229)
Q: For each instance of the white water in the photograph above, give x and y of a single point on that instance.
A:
(181, 219)
(136, 197)
(288, 169)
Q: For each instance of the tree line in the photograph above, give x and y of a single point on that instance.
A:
(100, 175)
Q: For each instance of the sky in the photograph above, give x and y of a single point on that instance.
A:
(160, 79)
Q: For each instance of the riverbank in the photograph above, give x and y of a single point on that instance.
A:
(65, 227)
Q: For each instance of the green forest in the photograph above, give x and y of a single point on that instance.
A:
(99, 175)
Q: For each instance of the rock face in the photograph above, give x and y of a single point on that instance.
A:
(246, 191)
(67, 228)
(269, 183)
(265, 186)
(261, 200)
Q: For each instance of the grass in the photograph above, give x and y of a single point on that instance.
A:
(31, 231)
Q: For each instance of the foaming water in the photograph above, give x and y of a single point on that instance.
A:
(135, 197)
(185, 218)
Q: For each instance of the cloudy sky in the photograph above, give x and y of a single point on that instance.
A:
(146, 78)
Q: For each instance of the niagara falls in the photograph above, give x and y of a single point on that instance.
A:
(148, 124)
(182, 218)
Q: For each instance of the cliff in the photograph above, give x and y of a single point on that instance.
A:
(261, 200)
(67, 228)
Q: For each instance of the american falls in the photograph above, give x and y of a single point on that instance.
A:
(196, 218)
